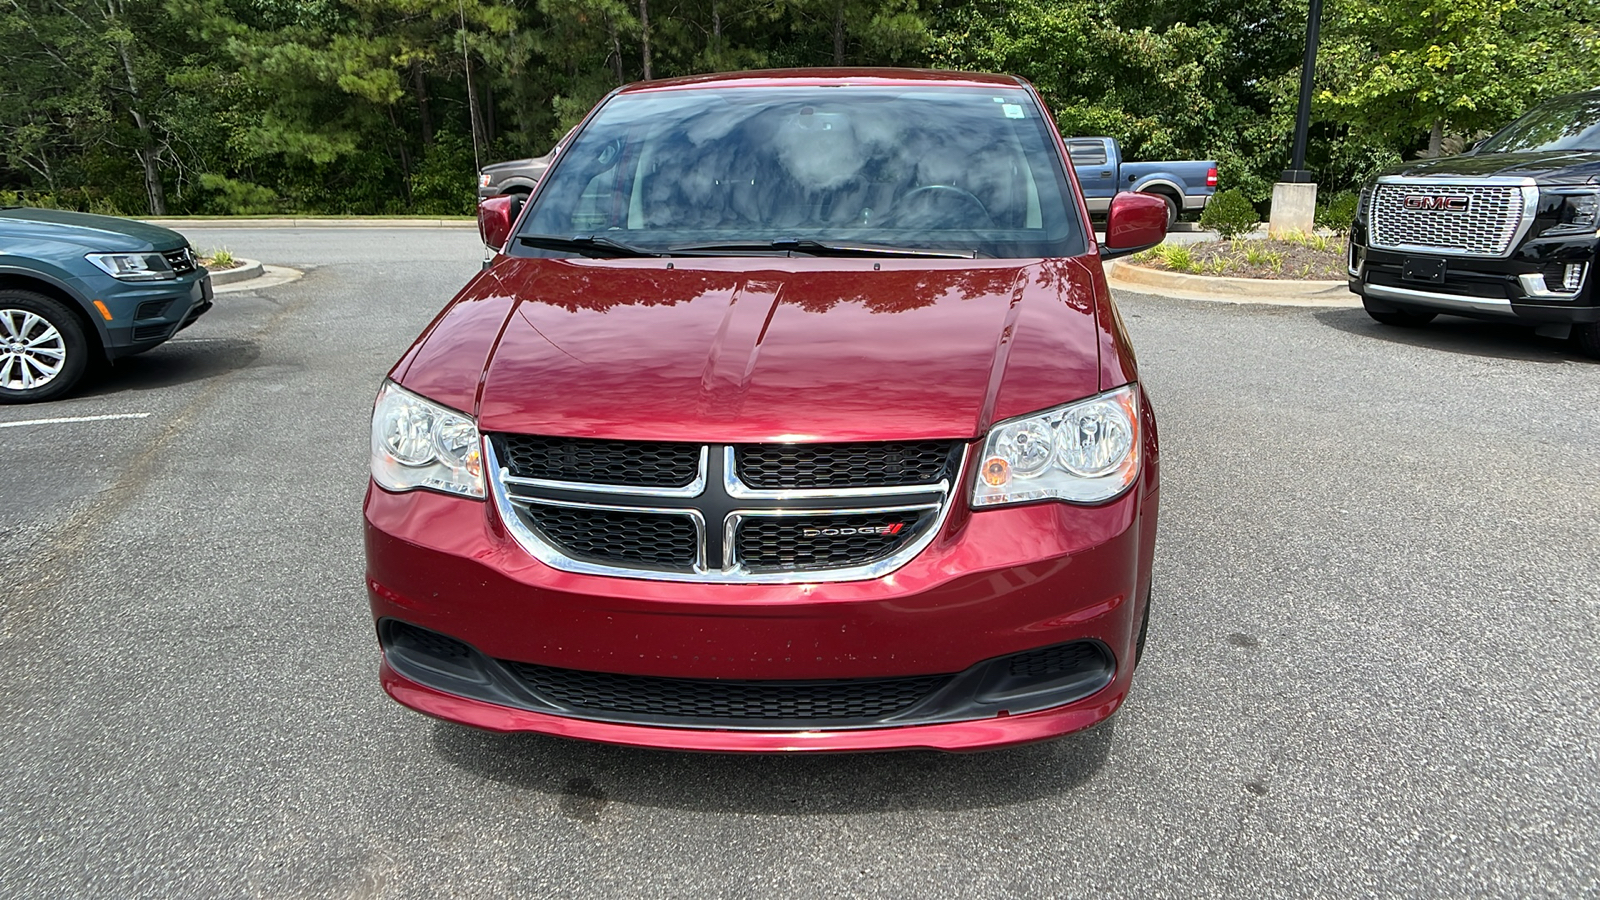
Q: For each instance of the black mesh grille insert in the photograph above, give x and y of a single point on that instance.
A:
(780, 543)
(648, 540)
(1058, 660)
(430, 642)
(622, 463)
(728, 701)
(799, 466)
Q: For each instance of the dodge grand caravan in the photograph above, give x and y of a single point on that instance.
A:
(791, 413)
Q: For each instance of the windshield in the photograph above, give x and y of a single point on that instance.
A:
(1567, 123)
(968, 170)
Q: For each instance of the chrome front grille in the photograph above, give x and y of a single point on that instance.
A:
(181, 260)
(739, 513)
(1484, 218)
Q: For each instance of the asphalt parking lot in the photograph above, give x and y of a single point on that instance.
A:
(1371, 672)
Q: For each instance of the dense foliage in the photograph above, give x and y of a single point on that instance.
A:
(388, 106)
(1229, 214)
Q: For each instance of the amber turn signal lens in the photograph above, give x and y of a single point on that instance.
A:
(996, 471)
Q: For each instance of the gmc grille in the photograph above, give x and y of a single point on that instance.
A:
(1495, 217)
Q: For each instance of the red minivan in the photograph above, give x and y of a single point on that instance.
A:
(792, 413)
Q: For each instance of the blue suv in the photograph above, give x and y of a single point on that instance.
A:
(78, 290)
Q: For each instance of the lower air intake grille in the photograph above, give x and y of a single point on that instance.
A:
(801, 466)
(430, 642)
(151, 332)
(620, 463)
(787, 543)
(655, 540)
(1057, 660)
(813, 702)
(152, 309)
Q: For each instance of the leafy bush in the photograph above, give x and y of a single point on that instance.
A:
(229, 197)
(445, 181)
(1229, 214)
(1340, 210)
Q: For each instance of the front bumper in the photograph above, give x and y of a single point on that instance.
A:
(144, 316)
(995, 583)
(1484, 288)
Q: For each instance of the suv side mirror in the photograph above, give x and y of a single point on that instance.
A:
(494, 221)
(1135, 222)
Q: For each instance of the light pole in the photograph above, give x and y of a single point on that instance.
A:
(1294, 197)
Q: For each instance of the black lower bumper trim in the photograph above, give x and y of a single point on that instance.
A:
(1022, 682)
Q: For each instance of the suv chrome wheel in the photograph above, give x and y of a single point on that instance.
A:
(32, 351)
(43, 349)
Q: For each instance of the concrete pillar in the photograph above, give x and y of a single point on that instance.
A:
(1294, 208)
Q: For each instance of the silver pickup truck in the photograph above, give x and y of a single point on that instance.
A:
(1102, 172)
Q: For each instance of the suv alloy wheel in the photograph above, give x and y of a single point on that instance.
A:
(43, 352)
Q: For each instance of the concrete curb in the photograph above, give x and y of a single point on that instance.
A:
(246, 270)
(269, 276)
(1230, 290)
(311, 222)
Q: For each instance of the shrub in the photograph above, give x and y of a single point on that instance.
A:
(1229, 214)
(229, 197)
(445, 180)
(1340, 210)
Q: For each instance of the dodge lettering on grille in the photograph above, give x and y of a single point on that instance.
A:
(845, 532)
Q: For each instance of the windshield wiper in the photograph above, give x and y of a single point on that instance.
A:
(587, 244)
(822, 248)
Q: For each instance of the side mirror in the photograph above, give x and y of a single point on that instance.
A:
(494, 221)
(1135, 222)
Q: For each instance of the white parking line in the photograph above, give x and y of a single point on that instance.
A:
(70, 419)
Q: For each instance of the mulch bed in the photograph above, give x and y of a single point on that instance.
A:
(1272, 259)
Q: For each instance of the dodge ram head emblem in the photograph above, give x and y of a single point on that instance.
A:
(1436, 202)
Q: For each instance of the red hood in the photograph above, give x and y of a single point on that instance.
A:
(718, 350)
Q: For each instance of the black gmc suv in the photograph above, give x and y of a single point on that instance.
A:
(1506, 232)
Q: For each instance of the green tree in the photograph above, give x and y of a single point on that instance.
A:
(1395, 70)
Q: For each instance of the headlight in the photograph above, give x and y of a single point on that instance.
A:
(1084, 452)
(1579, 212)
(420, 444)
(134, 266)
(483, 180)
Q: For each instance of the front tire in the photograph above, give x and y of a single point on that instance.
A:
(1587, 337)
(43, 351)
(1400, 318)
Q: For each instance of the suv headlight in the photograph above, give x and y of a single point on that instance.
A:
(134, 266)
(417, 443)
(1084, 452)
(1579, 213)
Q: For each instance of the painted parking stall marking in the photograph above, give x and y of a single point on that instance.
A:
(68, 420)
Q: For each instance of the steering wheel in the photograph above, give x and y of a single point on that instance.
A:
(938, 194)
